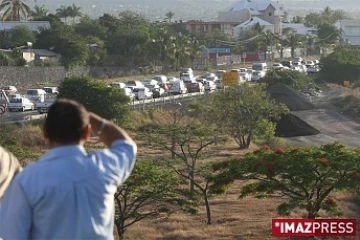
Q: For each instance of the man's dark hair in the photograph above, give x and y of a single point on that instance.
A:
(65, 121)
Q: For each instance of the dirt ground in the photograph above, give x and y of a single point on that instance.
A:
(233, 219)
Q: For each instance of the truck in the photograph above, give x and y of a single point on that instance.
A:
(45, 103)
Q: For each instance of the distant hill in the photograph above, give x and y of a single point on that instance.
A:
(191, 9)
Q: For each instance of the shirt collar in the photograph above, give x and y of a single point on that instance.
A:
(64, 151)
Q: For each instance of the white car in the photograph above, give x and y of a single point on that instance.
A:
(212, 78)
(20, 104)
(149, 81)
(9, 89)
(257, 75)
(245, 75)
(209, 86)
(142, 93)
(277, 66)
(218, 84)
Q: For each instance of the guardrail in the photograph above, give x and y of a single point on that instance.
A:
(143, 104)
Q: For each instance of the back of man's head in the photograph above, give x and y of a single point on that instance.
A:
(66, 122)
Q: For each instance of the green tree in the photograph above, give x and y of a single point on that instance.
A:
(97, 97)
(328, 33)
(268, 39)
(151, 191)
(180, 46)
(239, 110)
(20, 35)
(294, 79)
(15, 10)
(298, 19)
(5, 60)
(98, 53)
(342, 64)
(160, 45)
(293, 41)
(187, 138)
(195, 48)
(74, 11)
(74, 53)
(63, 12)
(39, 12)
(304, 177)
(91, 27)
(169, 16)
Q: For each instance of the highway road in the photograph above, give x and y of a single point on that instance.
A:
(137, 105)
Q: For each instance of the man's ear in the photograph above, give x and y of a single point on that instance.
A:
(86, 132)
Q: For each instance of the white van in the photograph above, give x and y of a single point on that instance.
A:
(259, 66)
(178, 87)
(35, 95)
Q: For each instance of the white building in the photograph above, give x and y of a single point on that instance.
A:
(300, 28)
(247, 25)
(266, 10)
(349, 31)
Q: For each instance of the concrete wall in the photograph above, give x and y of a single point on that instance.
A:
(25, 77)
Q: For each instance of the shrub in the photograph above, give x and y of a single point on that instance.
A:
(294, 79)
(97, 97)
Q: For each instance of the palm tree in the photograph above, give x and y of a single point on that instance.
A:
(15, 10)
(39, 12)
(161, 45)
(294, 42)
(195, 49)
(310, 44)
(180, 49)
(74, 11)
(169, 16)
(268, 39)
(63, 12)
(258, 28)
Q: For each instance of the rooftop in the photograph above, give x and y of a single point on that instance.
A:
(254, 20)
(255, 6)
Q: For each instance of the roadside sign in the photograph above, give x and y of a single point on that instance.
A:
(2, 109)
(230, 78)
(347, 83)
(244, 55)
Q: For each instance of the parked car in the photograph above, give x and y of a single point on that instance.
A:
(9, 89)
(242, 70)
(161, 79)
(129, 93)
(212, 78)
(219, 73)
(142, 93)
(20, 104)
(178, 87)
(201, 80)
(218, 84)
(245, 76)
(35, 95)
(310, 63)
(51, 90)
(158, 92)
(210, 86)
(196, 87)
(277, 65)
(257, 75)
(149, 81)
(312, 69)
(134, 83)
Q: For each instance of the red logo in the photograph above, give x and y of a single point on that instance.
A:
(313, 227)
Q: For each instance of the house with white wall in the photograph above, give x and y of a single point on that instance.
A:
(349, 31)
(268, 11)
(300, 29)
(249, 24)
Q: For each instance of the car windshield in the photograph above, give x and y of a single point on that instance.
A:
(6, 88)
(31, 92)
(257, 67)
(16, 100)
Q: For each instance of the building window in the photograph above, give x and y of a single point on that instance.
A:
(270, 14)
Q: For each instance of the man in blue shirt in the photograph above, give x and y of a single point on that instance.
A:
(68, 193)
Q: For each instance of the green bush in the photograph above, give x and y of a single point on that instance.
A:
(294, 79)
(96, 96)
(341, 65)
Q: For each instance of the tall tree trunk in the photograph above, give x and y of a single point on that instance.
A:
(207, 206)
(173, 147)
(120, 229)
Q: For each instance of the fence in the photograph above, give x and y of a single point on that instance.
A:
(173, 99)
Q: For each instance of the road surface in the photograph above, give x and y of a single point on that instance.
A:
(332, 124)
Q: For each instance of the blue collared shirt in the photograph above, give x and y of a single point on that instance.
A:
(67, 194)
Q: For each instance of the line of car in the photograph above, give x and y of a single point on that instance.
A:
(33, 99)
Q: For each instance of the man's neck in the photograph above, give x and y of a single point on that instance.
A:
(56, 144)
